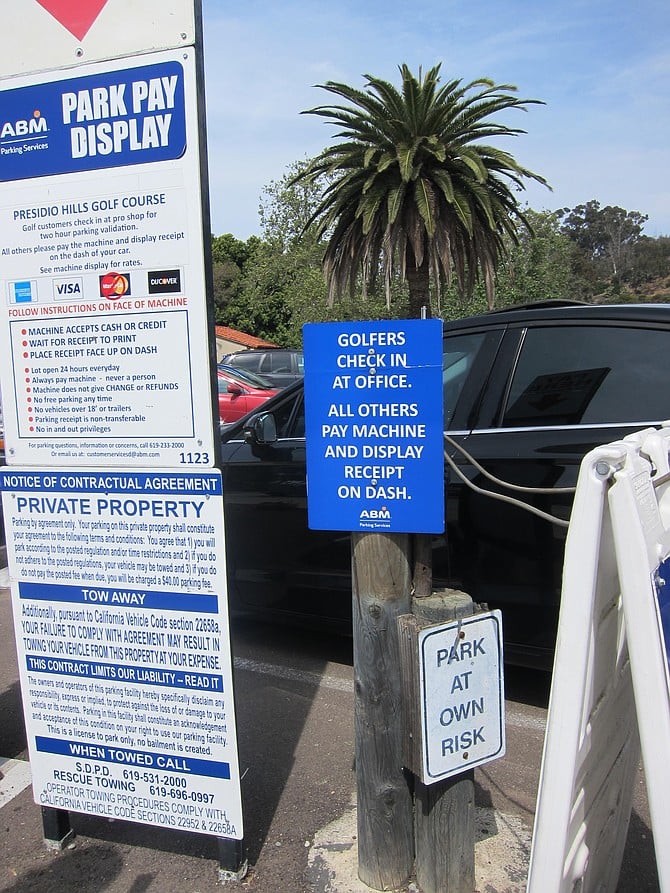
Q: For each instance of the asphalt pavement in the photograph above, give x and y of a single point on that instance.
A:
(294, 703)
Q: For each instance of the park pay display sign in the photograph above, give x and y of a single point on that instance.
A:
(103, 323)
(374, 419)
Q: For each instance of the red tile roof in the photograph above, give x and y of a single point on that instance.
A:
(236, 337)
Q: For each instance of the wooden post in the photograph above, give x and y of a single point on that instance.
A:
(381, 593)
(444, 813)
(423, 564)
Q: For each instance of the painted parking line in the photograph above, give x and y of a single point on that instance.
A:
(515, 715)
(14, 778)
(279, 672)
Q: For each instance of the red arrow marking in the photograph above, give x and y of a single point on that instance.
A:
(75, 15)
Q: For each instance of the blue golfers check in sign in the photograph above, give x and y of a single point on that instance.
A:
(374, 423)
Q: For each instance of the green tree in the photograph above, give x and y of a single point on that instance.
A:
(283, 280)
(607, 234)
(228, 248)
(651, 260)
(287, 206)
(282, 286)
(412, 186)
(540, 266)
(230, 257)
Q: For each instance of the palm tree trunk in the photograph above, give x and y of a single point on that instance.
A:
(418, 280)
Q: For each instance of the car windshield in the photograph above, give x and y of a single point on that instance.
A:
(250, 378)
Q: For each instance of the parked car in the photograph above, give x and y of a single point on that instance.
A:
(527, 393)
(241, 392)
(278, 366)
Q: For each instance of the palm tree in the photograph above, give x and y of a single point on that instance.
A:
(413, 188)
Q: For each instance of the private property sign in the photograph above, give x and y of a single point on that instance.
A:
(373, 413)
(121, 627)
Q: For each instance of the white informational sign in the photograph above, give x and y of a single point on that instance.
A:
(119, 596)
(118, 577)
(69, 32)
(462, 695)
(103, 319)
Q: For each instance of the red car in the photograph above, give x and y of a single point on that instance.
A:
(240, 392)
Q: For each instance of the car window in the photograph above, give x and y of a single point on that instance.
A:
(244, 361)
(290, 417)
(250, 378)
(581, 375)
(458, 355)
(280, 361)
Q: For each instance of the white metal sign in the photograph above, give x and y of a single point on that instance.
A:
(462, 695)
(68, 32)
(119, 596)
(102, 300)
(118, 577)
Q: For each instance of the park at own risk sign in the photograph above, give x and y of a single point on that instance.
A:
(374, 424)
(461, 695)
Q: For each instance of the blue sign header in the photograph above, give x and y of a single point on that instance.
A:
(104, 120)
(374, 424)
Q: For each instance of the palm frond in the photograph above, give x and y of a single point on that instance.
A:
(413, 178)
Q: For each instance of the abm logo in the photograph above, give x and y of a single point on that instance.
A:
(382, 514)
(35, 126)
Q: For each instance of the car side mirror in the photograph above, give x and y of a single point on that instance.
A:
(235, 389)
(262, 429)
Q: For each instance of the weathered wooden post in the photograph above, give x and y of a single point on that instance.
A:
(445, 811)
(381, 593)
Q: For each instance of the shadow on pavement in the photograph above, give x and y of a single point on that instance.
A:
(272, 716)
(12, 727)
(88, 869)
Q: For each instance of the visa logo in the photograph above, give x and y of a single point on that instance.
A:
(67, 288)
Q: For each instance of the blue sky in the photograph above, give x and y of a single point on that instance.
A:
(601, 66)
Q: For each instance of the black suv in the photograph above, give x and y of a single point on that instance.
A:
(527, 393)
(280, 367)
